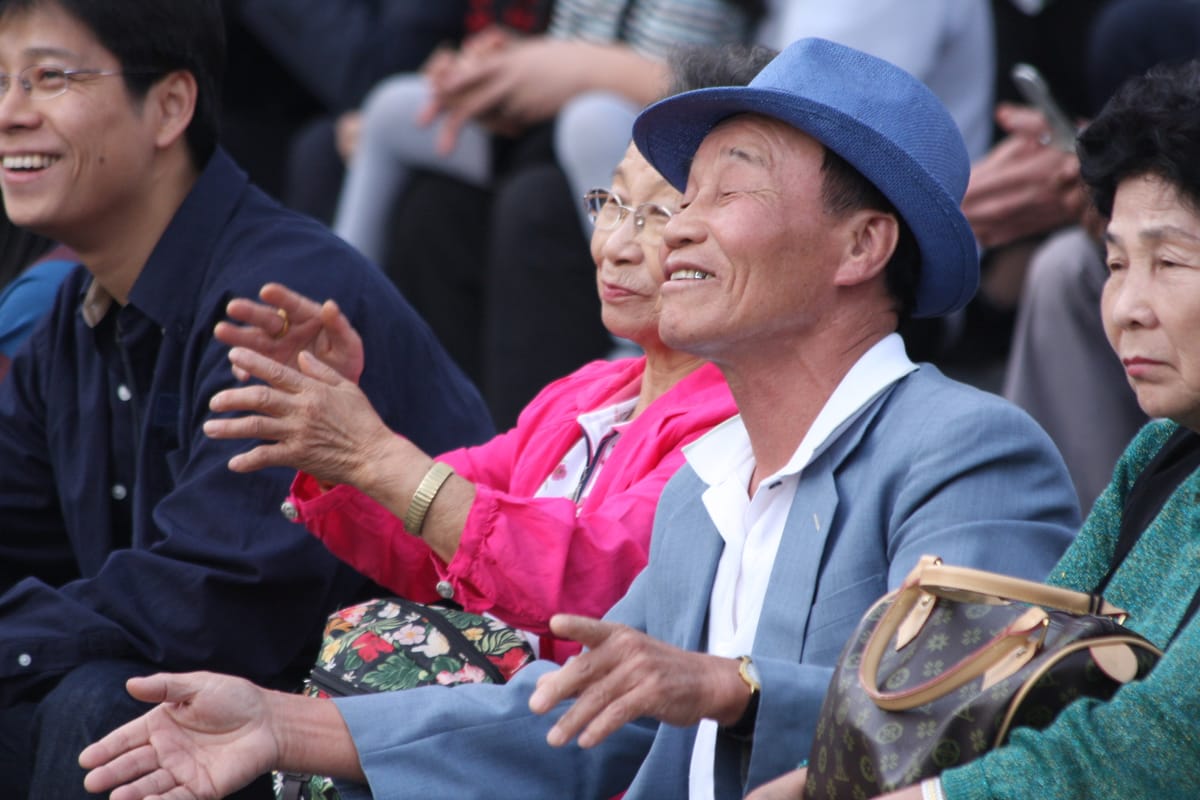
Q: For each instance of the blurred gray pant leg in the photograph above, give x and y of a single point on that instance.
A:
(1061, 368)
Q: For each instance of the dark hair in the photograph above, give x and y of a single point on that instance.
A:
(1151, 126)
(157, 37)
(702, 66)
(844, 189)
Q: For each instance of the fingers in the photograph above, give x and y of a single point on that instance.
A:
(447, 135)
(1022, 120)
(607, 694)
(299, 308)
(265, 428)
(577, 674)
(125, 739)
(266, 370)
(439, 63)
(159, 688)
(478, 105)
(137, 767)
(474, 91)
(162, 688)
(262, 325)
(313, 367)
(340, 347)
(588, 631)
(347, 133)
(489, 40)
(158, 785)
(604, 700)
(429, 112)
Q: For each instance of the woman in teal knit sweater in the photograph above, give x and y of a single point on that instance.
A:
(1141, 160)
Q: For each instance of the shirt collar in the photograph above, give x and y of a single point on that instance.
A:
(726, 449)
(598, 423)
(95, 304)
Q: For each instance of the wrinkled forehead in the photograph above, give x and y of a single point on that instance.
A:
(635, 177)
(754, 139)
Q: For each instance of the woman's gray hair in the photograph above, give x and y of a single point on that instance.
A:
(702, 66)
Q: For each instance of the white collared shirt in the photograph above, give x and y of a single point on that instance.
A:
(752, 527)
(576, 473)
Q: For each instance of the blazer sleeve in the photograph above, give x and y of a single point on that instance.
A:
(497, 739)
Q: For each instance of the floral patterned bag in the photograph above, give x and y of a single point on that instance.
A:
(391, 643)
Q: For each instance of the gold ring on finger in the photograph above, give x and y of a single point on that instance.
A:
(283, 315)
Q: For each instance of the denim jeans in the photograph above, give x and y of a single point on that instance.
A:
(40, 741)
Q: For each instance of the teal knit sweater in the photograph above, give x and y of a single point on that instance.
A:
(1144, 744)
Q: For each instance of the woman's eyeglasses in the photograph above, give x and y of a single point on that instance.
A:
(607, 213)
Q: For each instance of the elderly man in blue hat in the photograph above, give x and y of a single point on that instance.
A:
(820, 208)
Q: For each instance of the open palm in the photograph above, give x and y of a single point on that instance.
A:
(208, 737)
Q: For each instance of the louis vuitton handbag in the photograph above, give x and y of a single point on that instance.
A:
(940, 670)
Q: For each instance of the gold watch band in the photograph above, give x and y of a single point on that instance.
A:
(427, 489)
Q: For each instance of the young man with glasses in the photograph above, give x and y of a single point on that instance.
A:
(126, 545)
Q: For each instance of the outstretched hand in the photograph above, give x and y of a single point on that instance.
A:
(312, 418)
(208, 737)
(303, 326)
(625, 674)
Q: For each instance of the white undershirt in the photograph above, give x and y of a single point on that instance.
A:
(752, 527)
(576, 473)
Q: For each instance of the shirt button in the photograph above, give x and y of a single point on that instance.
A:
(24, 659)
(119, 492)
(290, 511)
(123, 393)
(445, 589)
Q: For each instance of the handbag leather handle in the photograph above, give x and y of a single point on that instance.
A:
(931, 577)
(1017, 635)
(937, 578)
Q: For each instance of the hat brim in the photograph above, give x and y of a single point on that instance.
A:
(669, 133)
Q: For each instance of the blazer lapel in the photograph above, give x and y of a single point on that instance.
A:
(686, 565)
(783, 625)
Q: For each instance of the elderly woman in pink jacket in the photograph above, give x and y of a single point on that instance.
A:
(552, 516)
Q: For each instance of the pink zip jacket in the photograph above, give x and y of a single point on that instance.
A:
(523, 558)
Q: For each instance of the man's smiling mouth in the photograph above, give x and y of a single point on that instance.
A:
(28, 162)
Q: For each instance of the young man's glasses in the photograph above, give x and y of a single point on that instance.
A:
(45, 81)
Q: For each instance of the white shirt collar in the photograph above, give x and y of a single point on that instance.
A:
(725, 450)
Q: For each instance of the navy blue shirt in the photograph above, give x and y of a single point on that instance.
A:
(122, 532)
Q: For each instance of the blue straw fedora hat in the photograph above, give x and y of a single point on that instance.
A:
(876, 116)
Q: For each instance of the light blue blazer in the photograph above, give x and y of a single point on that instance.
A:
(931, 466)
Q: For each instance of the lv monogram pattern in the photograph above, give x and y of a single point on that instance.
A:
(860, 750)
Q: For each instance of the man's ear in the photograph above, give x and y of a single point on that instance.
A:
(173, 102)
(873, 236)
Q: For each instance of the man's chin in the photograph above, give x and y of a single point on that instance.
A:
(33, 221)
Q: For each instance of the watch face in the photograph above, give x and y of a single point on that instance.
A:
(750, 674)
